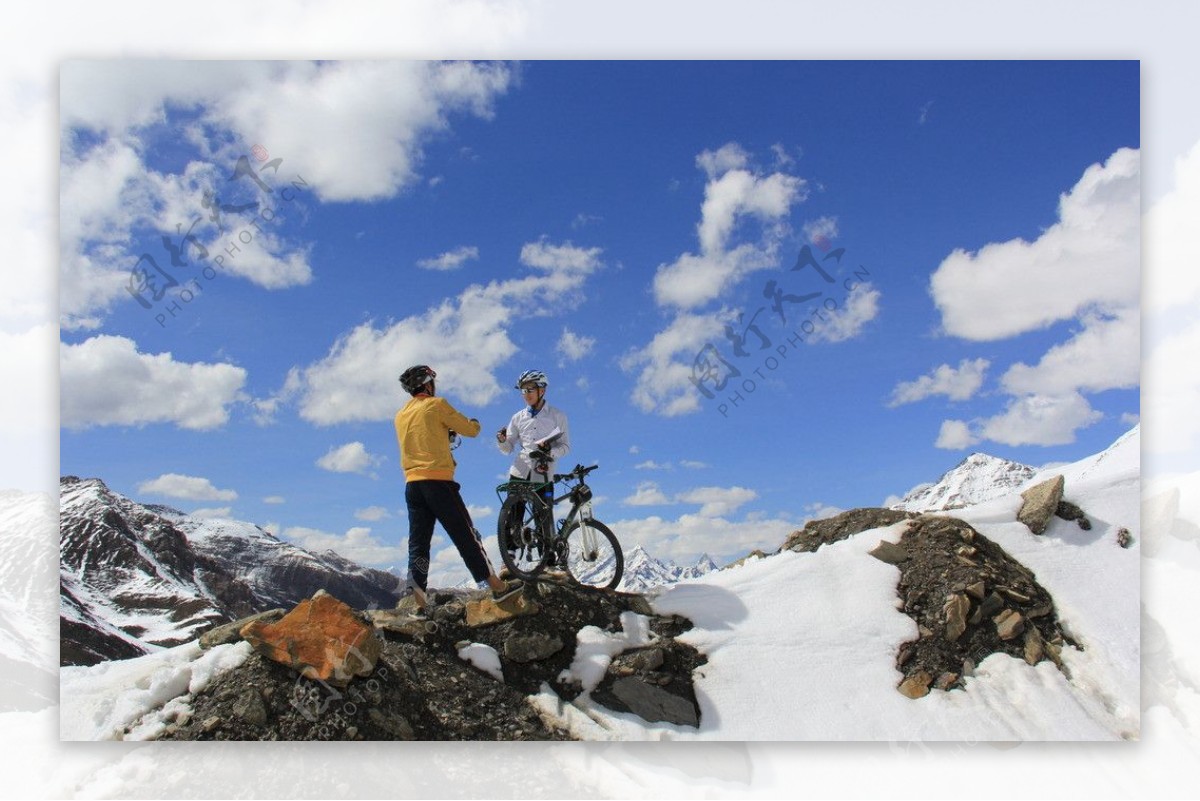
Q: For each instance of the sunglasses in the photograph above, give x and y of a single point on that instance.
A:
(527, 390)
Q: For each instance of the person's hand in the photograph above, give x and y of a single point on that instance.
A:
(502, 435)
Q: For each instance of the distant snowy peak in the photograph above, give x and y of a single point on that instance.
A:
(976, 479)
(644, 572)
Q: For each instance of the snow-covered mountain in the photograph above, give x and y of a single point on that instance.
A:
(136, 577)
(644, 572)
(976, 479)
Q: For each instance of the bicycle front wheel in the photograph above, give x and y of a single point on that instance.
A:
(522, 545)
(594, 556)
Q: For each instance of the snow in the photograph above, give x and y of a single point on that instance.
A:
(803, 646)
(101, 701)
(595, 648)
(484, 657)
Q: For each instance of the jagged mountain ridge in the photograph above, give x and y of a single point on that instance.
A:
(977, 478)
(136, 577)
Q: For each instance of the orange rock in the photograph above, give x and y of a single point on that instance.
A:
(321, 638)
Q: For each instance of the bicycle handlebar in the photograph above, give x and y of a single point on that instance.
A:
(579, 472)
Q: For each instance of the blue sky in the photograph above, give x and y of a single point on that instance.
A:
(603, 221)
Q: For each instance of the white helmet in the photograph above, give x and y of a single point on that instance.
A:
(535, 376)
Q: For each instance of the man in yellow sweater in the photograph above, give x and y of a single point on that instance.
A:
(423, 429)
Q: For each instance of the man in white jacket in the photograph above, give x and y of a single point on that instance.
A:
(538, 427)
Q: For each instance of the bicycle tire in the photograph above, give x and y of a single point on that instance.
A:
(603, 565)
(523, 544)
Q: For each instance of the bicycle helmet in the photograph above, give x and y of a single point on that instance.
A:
(414, 378)
(535, 376)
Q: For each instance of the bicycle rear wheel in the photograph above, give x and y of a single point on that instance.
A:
(594, 556)
(523, 546)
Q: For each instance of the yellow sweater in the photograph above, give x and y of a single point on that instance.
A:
(422, 429)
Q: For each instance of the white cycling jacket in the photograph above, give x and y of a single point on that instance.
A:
(526, 428)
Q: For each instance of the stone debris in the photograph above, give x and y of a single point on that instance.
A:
(1040, 503)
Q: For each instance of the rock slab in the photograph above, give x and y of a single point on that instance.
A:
(654, 704)
(1040, 503)
(321, 638)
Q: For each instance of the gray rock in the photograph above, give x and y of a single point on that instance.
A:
(640, 661)
(250, 707)
(231, 632)
(1034, 647)
(531, 647)
(916, 685)
(1124, 538)
(889, 552)
(1040, 503)
(1009, 624)
(1069, 511)
(393, 723)
(654, 704)
(956, 608)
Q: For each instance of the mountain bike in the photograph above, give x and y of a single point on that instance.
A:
(582, 545)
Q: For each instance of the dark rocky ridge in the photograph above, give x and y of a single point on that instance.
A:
(422, 690)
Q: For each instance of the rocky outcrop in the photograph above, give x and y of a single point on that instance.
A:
(969, 599)
(423, 686)
(832, 529)
(1040, 503)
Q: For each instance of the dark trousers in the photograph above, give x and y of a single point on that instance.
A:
(433, 501)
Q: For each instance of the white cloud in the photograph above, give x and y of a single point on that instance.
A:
(1040, 420)
(957, 384)
(665, 385)
(191, 488)
(574, 347)
(111, 202)
(450, 260)
(1089, 258)
(349, 458)
(274, 499)
(650, 464)
(212, 513)
(821, 231)
(821, 511)
(349, 130)
(733, 193)
(860, 307)
(105, 380)
(1104, 355)
(717, 501)
(686, 537)
(647, 494)
(634, 449)
(955, 435)
(372, 514)
(782, 157)
(356, 544)
(691, 464)
(465, 339)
